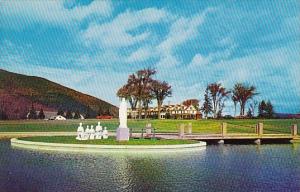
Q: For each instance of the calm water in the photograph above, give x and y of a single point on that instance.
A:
(216, 168)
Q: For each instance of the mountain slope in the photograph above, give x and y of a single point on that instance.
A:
(18, 92)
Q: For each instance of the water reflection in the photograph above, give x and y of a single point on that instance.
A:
(223, 168)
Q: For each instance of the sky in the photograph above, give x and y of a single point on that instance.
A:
(92, 46)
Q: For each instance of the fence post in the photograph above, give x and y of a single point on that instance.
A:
(130, 132)
(181, 130)
(294, 130)
(224, 129)
(148, 129)
(260, 129)
(190, 128)
(256, 129)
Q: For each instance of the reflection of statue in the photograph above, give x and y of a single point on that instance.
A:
(123, 114)
(123, 131)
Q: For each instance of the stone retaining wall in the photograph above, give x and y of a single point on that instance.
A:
(103, 148)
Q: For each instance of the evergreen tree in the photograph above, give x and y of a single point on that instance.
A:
(77, 114)
(107, 112)
(269, 110)
(3, 115)
(69, 114)
(41, 114)
(60, 112)
(100, 111)
(88, 113)
(262, 109)
(168, 115)
(207, 106)
(249, 113)
(32, 113)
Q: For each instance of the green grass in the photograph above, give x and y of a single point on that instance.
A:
(161, 126)
(109, 141)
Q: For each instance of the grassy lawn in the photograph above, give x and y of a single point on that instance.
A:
(162, 126)
(109, 141)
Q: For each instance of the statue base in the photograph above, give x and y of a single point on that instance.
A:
(122, 134)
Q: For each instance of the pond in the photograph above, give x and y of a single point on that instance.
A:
(215, 168)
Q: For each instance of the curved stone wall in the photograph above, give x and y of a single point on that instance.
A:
(104, 148)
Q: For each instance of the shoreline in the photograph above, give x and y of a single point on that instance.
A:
(104, 148)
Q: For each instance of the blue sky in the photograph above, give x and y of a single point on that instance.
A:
(92, 46)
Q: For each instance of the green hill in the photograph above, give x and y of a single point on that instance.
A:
(18, 92)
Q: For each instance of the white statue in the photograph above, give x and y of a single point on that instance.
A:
(92, 133)
(123, 131)
(80, 132)
(105, 133)
(87, 133)
(98, 131)
(123, 114)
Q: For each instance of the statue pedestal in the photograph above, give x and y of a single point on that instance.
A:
(122, 134)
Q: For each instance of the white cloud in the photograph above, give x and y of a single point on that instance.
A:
(50, 12)
(198, 61)
(139, 55)
(119, 32)
(181, 31)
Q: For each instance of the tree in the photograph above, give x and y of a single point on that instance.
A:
(269, 110)
(77, 114)
(193, 102)
(220, 111)
(138, 88)
(32, 113)
(253, 106)
(249, 113)
(107, 112)
(243, 93)
(41, 114)
(218, 96)
(161, 90)
(146, 103)
(168, 115)
(128, 92)
(206, 107)
(88, 113)
(235, 101)
(60, 112)
(100, 111)
(3, 115)
(262, 109)
(69, 114)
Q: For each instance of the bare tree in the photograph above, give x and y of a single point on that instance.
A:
(253, 106)
(161, 90)
(138, 88)
(243, 93)
(235, 101)
(218, 96)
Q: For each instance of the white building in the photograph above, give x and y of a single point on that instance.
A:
(178, 111)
